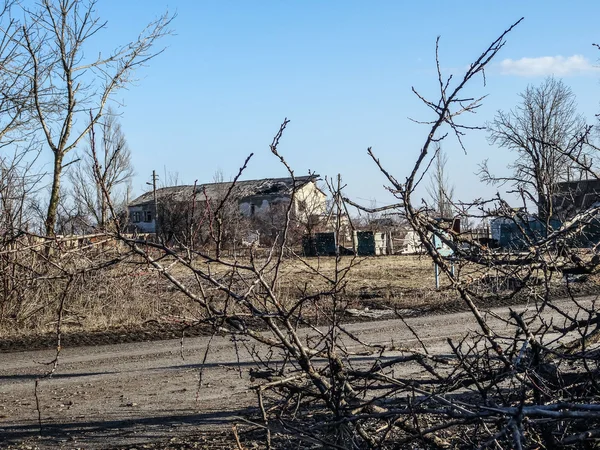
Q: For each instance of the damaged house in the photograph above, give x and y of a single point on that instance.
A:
(518, 230)
(253, 206)
(572, 197)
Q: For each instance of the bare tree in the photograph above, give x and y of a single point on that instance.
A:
(440, 190)
(66, 84)
(115, 170)
(548, 137)
(18, 148)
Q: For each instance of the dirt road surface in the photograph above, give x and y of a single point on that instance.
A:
(112, 395)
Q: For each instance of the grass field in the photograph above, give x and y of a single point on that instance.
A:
(392, 273)
(390, 281)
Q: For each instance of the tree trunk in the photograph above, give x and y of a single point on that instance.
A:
(544, 212)
(54, 194)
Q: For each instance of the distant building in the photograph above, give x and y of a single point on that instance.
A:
(412, 244)
(574, 196)
(254, 199)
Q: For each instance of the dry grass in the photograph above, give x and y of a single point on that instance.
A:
(405, 282)
(130, 294)
(392, 273)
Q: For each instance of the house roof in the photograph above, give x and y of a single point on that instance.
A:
(241, 190)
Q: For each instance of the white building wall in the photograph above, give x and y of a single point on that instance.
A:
(142, 225)
(309, 201)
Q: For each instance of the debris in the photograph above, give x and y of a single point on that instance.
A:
(370, 313)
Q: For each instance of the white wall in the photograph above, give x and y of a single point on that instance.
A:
(312, 199)
(144, 227)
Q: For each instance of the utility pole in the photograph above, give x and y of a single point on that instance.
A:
(154, 178)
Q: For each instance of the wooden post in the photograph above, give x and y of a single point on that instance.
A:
(156, 230)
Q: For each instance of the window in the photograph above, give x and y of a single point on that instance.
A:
(136, 217)
(147, 216)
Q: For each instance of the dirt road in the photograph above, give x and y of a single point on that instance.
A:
(131, 393)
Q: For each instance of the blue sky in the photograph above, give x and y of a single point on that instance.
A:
(342, 72)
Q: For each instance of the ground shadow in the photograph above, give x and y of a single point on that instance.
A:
(110, 432)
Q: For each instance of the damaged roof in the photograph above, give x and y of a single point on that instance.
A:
(242, 189)
(572, 197)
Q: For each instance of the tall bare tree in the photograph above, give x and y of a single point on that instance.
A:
(547, 135)
(66, 84)
(113, 172)
(18, 147)
(440, 190)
